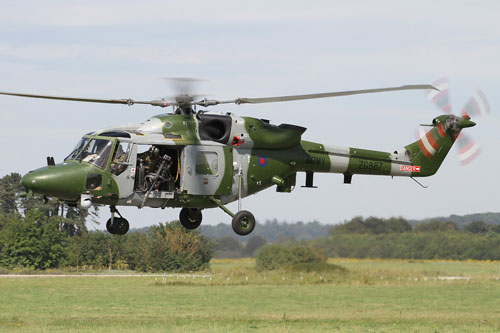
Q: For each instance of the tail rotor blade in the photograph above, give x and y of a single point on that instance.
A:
(468, 149)
(441, 97)
(477, 105)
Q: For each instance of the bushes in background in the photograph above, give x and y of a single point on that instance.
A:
(276, 256)
(36, 242)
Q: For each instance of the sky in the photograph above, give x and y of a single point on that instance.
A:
(125, 49)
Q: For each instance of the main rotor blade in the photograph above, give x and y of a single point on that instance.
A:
(329, 94)
(206, 102)
(127, 101)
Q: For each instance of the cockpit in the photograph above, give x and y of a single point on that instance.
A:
(97, 151)
(152, 167)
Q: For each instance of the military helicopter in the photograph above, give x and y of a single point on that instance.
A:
(196, 160)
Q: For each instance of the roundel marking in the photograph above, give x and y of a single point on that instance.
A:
(168, 124)
(262, 161)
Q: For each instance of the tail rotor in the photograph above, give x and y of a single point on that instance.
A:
(477, 105)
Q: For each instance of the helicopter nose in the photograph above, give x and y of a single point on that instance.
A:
(61, 181)
(32, 181)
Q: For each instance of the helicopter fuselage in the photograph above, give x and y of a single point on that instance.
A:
(205, 160)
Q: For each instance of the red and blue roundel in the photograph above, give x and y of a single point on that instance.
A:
(262, 161)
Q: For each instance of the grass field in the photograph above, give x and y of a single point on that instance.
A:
(374, 295)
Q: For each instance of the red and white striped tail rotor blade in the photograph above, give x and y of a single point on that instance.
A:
(468, 149)
(440, 97)
(477, 105)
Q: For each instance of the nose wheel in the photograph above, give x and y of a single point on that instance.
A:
(190, 218)
(117, 225)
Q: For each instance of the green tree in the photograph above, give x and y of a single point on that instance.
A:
(436, 225)
(33, 241)
(175, 248)
(413, 245)
(283, 239)
(274, 256)
(89, 249)
(137, 251)
(495, 228)
(372, 225)
(76, 251)
(10, 193)
(397, 224)
(75, 220)
(253, 244)
(228, 247)
(477, 227)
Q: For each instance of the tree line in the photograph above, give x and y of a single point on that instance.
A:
(272, 231)
(374, 225)
(374, 237)
(396, 238)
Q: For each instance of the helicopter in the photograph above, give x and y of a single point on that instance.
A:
(195, 160)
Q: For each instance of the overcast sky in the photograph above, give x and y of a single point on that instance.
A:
(123, 49)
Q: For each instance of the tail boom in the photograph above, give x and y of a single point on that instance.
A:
(421, 158)
(345, 160)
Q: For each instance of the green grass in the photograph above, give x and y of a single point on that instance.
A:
(472, 268)
(374, 295)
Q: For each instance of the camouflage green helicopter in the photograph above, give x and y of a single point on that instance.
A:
(196, 160)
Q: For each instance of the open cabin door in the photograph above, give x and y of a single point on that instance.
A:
(157, 174)
(123, 166)
(206, 170)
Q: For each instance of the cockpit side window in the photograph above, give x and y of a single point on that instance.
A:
(97, 152)
(120, 157)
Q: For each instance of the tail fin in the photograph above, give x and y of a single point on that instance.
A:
(431, 149)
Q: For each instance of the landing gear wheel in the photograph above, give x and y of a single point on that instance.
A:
(243, 222)
(120, 226)
(109, 227)
(190, 218)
